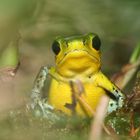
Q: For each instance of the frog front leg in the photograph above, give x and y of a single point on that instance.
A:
(40, 104)
(117, 97)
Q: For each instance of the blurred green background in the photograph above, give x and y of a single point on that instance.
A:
(117, 23)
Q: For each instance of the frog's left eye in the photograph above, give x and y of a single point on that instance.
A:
(56, 47)
(96, 43)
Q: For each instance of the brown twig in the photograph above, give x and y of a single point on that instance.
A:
(97, 124)
(85, 104)
(125, 74)
(133, 100)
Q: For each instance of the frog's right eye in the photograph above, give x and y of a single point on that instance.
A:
(96, 43)
(56, 47)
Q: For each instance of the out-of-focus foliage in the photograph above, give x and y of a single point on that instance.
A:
(13, 14)
(110, 19)
(116, 22)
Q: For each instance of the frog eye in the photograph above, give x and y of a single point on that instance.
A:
(56, 47)
(96, 43)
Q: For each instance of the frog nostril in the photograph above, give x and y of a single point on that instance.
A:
(67, 43)
(84, 42)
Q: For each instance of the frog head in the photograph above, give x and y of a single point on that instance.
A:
(77, 55)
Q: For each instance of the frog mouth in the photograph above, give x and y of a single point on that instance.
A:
(78, 54)
(77, 62)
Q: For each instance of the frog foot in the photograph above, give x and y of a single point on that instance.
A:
(43, 109)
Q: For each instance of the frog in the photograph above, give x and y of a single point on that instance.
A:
(77, 59)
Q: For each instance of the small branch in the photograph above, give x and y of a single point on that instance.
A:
(127, 71)
(86, 105)
(133, 100)
(96, 127)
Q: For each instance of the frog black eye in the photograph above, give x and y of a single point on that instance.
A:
(96, 43)
(56, 47)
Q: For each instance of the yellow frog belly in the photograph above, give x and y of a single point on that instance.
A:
(60, 95)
